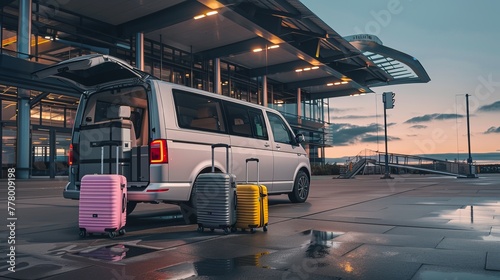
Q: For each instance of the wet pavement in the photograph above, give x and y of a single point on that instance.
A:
(412, 227)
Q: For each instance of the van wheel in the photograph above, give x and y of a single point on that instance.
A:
(300, 190)
(131, 206)
(188, 209)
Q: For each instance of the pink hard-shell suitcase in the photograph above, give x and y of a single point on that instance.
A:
(103, 204)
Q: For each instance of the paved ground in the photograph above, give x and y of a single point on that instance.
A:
(417, 227)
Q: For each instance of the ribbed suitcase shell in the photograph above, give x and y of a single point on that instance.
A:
(216, 197)
(252, 206)
(103, 203)
(216, 201)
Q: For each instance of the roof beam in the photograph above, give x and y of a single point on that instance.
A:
(235, 48)
(336, 93)
(17, 72)
(278, 68)
(311, 82)
(163, 18)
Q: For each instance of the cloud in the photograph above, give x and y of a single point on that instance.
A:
(492, 130)
(493, 107)
(432, 117)
(344, 134)
(418, 126)
(374, 138)
(341, 110)
(353, 117)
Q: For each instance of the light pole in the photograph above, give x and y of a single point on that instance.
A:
(388, 99)
(469, 159)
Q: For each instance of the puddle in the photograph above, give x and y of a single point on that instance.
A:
(212, 267)
(321, 243)
(438, 275)
(115, 252)
(471, 214)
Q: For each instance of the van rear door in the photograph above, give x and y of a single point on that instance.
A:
(90, 73)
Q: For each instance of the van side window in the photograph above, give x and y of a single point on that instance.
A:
(258, 124)
(245, 121)
(280, 130)
(198, 112)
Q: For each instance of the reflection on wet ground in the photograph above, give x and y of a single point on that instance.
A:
(472, 214)
(213, 267)
(320, 243)
(113, 253)
(312, 252)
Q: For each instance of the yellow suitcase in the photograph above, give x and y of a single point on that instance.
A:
(252, 204)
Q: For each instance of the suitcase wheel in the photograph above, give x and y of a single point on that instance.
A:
(83, 233)
(200, 229)
(252, 230)
(265, 228)
(112, 234)
(212, 229)
(121, 231)
(234, 229)
(226, 230)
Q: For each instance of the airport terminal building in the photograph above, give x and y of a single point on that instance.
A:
(275, 53)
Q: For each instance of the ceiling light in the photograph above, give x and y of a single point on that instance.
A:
(298, 70)
(315, 67)
(211, 13)
(257, 50)
(329, 84)
(307, 69)
(344, 82)
(273, 47)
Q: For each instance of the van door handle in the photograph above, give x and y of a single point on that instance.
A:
(267, 145)
(278, 146)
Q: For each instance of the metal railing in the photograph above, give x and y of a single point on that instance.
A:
(411, 162)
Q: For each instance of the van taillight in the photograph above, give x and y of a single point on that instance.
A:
(70, 154)
(158, 151)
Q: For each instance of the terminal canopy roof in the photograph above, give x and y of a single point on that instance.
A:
(281, 39)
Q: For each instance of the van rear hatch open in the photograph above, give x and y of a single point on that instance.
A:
(112, 113)
(90, 73)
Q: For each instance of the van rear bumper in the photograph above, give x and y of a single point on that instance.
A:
(154, 192)
(162, 192)
(71, 194)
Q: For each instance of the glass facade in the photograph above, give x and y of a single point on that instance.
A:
(52, 115)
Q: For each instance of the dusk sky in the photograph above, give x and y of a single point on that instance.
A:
(457, 42)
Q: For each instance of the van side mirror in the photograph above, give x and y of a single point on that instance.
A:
(299, 138)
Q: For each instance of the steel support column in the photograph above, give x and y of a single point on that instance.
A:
(139, 51)
(217, 76)
(264, 91)
(23, 95)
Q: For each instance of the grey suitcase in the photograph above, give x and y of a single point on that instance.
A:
(216, 197)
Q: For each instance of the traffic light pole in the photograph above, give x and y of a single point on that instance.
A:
(469, 159)
(386, 175)
(388, 99)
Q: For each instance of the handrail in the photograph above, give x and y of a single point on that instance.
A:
(460, 169)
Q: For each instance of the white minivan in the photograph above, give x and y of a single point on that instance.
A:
(159, 135)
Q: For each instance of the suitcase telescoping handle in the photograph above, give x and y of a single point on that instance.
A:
(102, 158)
(256, 160)
(220, 145)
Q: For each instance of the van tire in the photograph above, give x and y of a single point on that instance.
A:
(188, 211)
(131, 206)
(300, 190)
(188, 208)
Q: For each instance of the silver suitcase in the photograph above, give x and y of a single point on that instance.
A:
(216, 198)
